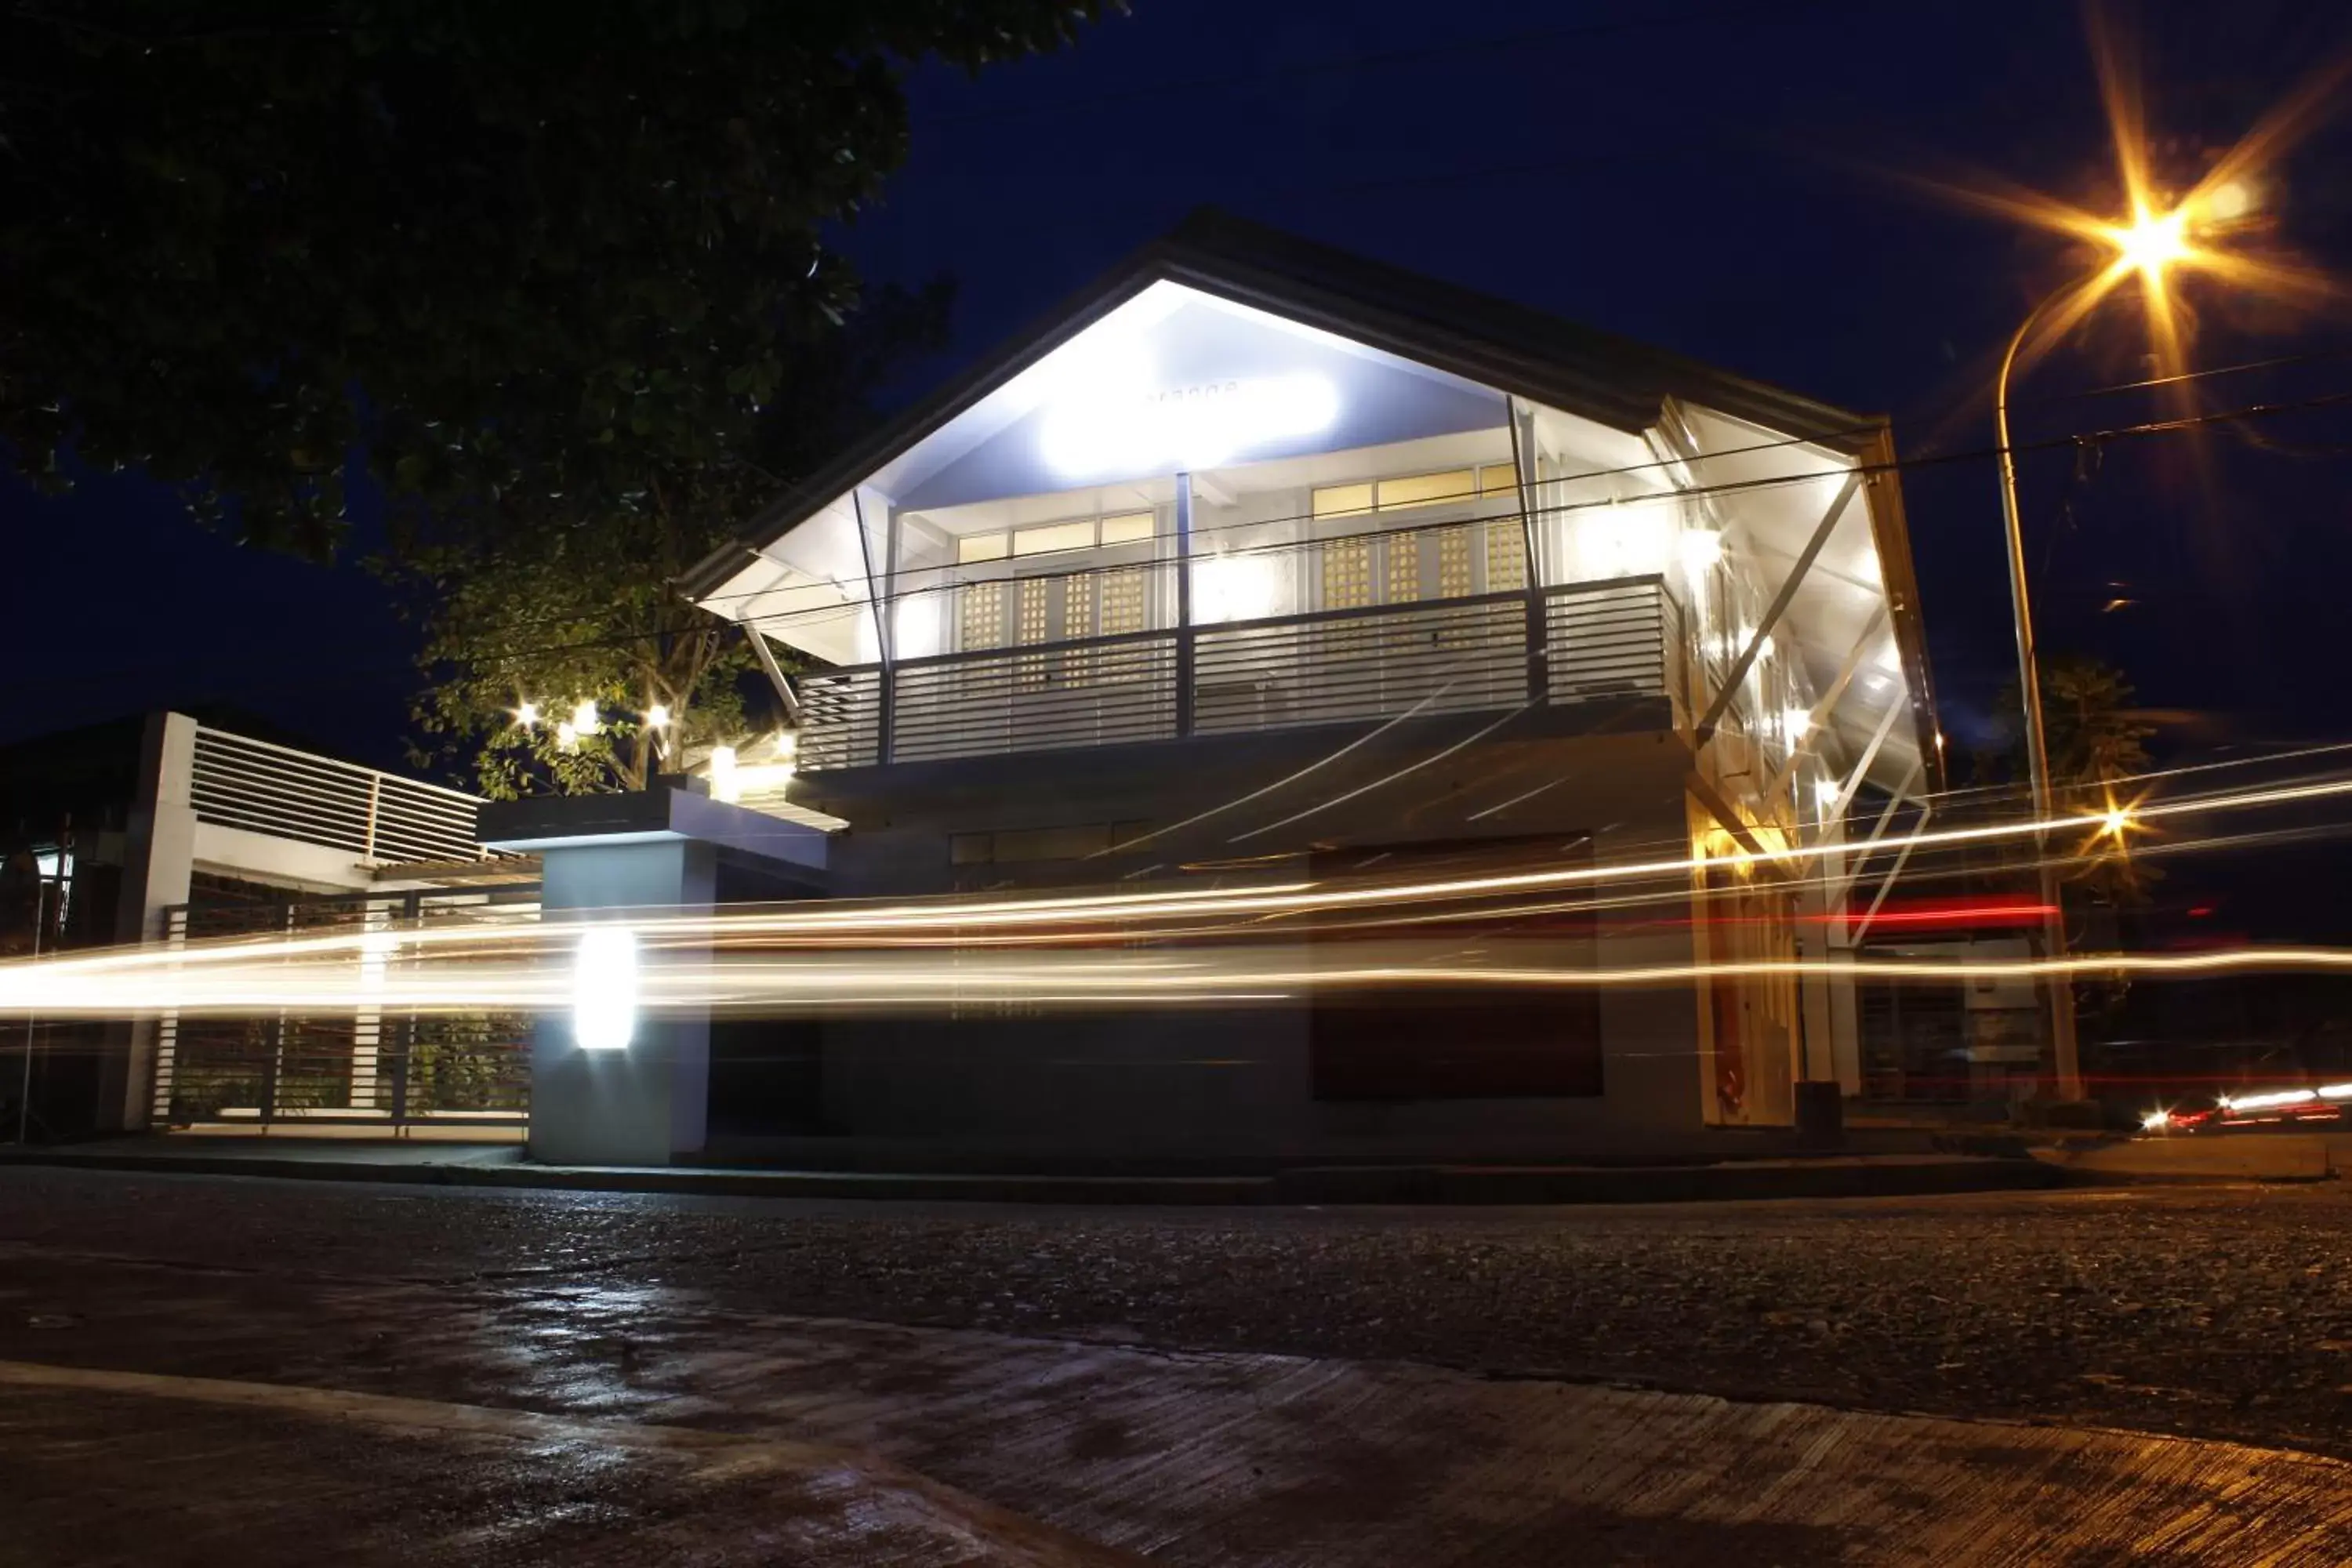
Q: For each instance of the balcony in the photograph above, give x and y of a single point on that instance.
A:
(1551, 646)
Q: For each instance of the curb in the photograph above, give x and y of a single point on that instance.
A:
(1407, 1186)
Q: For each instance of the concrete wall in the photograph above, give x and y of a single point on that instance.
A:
(1211, 1079)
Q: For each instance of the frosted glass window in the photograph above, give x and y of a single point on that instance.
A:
(1054, 536)
(1342, 500)
(973, 547)
(1423, 489)
(1126, 528)
(1498, 479)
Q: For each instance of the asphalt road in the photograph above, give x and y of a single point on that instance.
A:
(2221, 1312)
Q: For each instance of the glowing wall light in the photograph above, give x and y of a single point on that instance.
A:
(583, 718)
(1233, 588)
(1122, 424)
(725, 782)
(605, 989)
(1628, 539)
(1700, 549)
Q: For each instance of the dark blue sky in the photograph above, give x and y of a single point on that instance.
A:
(1692, 174)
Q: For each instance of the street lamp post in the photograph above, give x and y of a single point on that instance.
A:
(2151, 243)
(2066, 1056)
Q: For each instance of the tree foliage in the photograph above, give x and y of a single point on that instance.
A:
(547, 277)
(2095, 740)
(582, 608)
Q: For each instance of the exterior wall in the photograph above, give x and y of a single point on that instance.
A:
(1210, 1080)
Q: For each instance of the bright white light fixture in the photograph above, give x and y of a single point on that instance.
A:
(583, 718)
(726, 784)
(567, 739)
(1700, 549)
(1233, 588)
(1123, 424)
(788, 746)
(527, 715)
(1826, 792)
(658, 716)
(605, 989)
(1795, 722)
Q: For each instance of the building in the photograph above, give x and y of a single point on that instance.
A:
(1261, 559)
(169, 827)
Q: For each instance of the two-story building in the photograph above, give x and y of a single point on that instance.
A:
(1259, 559)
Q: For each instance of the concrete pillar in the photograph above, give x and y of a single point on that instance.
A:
(648, 1102)
(158, 853)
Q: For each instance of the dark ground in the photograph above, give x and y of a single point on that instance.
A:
(2218, 1311)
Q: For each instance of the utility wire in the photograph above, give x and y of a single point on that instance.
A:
(2148, 428)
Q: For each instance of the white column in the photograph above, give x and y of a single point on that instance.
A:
(648, 1101)
(159, 854)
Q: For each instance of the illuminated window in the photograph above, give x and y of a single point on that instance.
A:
(1054, 536)
(1029, 626)
(1347, 574)
(1454, 564)
(1342, 500)
(1403, 584)
(1498, 479)
(982, 614)
(1122, 602)
(1078, 621)
(1128, 528)
(977, 547)
(1506, 557)
(1426, 489)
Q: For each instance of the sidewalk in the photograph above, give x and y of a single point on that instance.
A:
(1827, 1175)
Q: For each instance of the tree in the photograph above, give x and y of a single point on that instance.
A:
(581, 606)
(540, 274)
(2094, 741)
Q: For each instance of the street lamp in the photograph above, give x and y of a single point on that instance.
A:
(2149, 245)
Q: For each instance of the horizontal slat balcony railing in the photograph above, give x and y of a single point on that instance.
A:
(263, 787)
(1600, 641)
(1092, 691)
(1452, 657)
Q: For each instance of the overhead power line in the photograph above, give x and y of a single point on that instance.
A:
(2128, 432)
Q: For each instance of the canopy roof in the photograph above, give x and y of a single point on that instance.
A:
(1225, 309)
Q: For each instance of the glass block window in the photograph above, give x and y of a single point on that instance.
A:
(1347, 574)
(1453, 580)
(1506, 557)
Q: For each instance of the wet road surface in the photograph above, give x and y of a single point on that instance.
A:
(2219, 1312)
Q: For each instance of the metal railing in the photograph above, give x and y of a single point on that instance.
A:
(239, 781)
(1600, 641)
(373, 1067)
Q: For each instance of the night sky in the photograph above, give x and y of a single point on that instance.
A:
(1716, 179)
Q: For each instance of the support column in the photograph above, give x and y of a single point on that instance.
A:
(159, 854)
(1185, 658)
(649, 1101)
(615, 859)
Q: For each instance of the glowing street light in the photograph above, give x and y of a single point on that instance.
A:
(527, 715)
(658, 716)
(2153, 242)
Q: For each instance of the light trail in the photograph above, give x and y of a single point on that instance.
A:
(781, 983)
(300, 974)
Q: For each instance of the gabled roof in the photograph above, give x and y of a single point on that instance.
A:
(1610, 380)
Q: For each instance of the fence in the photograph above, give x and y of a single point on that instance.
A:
(371, 1069)
(239, 781)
